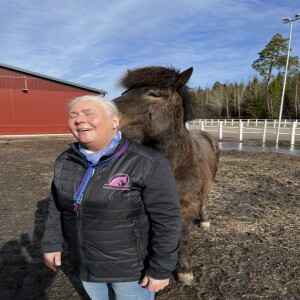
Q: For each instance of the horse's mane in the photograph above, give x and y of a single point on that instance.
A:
(160, 77)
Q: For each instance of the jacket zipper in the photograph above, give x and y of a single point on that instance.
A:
(83, 275)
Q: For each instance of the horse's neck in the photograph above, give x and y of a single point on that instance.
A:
(172, 145)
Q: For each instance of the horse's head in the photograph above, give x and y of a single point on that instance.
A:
(156, 102)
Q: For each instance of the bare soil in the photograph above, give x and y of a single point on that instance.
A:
(251, 250)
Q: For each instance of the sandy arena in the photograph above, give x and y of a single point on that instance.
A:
(251, 250)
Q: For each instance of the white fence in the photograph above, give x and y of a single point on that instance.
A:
(265, 130)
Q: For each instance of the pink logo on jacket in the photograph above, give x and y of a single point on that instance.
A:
(118, 182)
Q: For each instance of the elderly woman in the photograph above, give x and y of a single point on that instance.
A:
(116, 204)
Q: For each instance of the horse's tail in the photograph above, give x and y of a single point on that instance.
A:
(215, 148)
(214, 154)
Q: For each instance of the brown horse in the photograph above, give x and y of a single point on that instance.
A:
(153, 112)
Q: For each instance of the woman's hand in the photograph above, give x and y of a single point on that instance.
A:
(154, 285)
(52, 260)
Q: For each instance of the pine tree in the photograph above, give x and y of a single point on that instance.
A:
(254, 100)
(271, 61)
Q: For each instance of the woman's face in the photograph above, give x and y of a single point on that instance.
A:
(92, 125)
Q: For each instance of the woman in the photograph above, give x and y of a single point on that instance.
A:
(116, 204)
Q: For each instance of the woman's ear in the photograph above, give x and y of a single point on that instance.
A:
(115, 121)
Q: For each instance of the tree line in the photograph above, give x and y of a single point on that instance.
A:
(260, 97)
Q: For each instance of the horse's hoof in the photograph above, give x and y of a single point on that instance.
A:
(204, 225)
(185, 278)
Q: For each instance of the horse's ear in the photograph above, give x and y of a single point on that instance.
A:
(183, 78)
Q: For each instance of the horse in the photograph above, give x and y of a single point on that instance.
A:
(153, 111)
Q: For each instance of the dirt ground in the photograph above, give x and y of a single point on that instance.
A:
(251, 250)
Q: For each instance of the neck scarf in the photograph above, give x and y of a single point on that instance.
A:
(77, 197)
(94, 157)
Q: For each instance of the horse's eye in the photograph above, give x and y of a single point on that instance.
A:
(153, 94)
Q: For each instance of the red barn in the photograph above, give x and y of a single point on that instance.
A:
(32, 103)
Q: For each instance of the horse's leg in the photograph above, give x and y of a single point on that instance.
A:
(184, 273)
(203, 218)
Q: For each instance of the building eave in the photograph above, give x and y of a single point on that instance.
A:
(12, 68)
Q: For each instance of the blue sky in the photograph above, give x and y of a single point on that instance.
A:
(94, 42)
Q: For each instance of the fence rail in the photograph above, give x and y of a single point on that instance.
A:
(242, 129)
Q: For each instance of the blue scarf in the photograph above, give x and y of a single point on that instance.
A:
(93, 157)
(77, 197)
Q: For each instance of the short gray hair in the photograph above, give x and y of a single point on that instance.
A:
(109, 105)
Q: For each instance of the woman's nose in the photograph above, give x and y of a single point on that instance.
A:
(79, 119)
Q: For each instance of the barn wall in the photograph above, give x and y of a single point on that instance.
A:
(33, 105)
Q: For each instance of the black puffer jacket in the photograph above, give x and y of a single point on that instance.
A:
(128, 221)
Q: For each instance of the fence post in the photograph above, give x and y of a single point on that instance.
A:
(241, 131)
(256, 122)
(220, 130)
(274, 123)
(231, 122)
(202, 125)
(293, 133)
(248, 122)
(265, 131)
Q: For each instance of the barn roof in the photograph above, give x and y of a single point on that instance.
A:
(8, 67)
